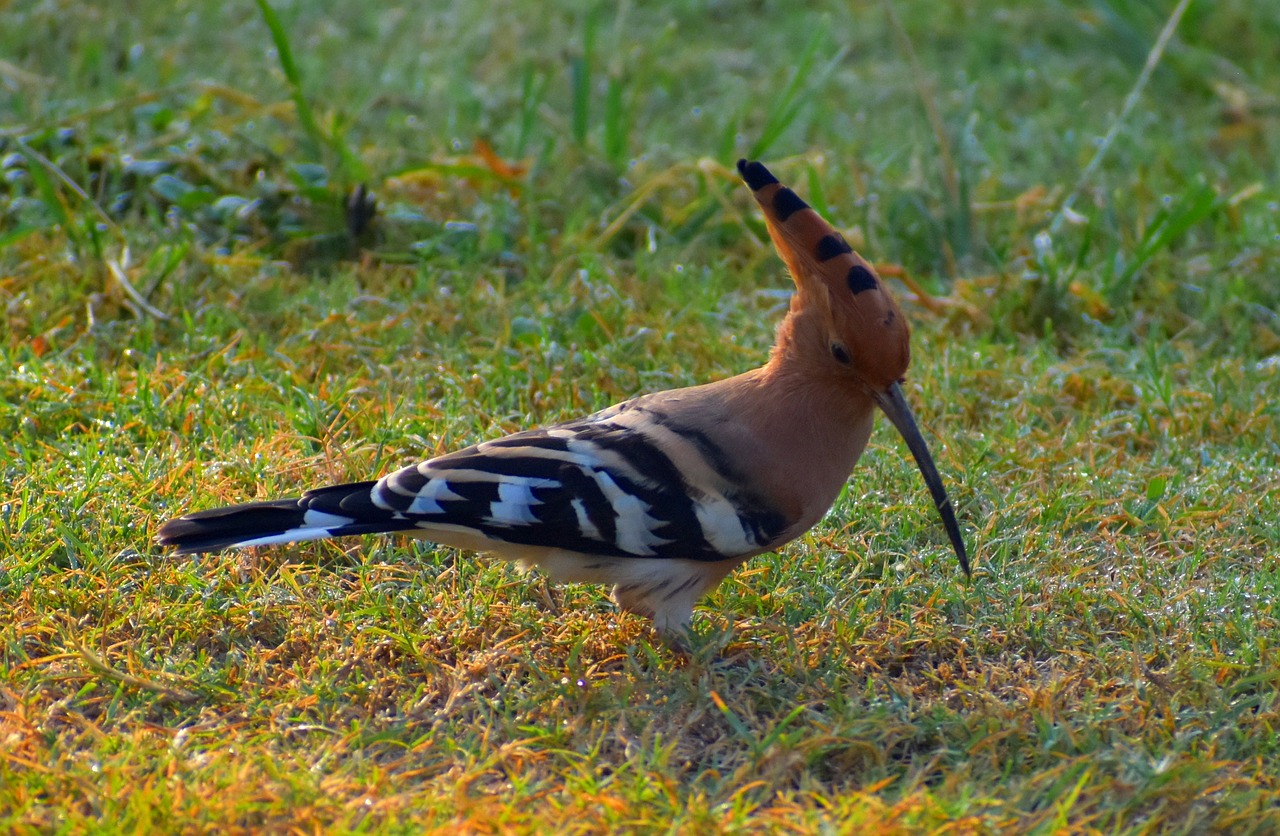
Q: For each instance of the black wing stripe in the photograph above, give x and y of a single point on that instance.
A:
(513, 465)
(533, 439)
(577, 487)
(713, 454)
(658, 482)
(351, 500)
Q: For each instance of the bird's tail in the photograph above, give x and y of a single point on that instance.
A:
(328, 512)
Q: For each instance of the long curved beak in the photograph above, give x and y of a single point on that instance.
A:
(895, 406)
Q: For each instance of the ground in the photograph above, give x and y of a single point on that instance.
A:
(1081, 217)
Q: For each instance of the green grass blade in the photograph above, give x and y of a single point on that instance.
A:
(317, 139)
(1168, 226)
(784, 109)
(533, 92)
(616, 122)
(284, 54)
(50, 194)
(580, 78)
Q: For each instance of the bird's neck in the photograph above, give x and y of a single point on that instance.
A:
(825, 418)
(800, 371)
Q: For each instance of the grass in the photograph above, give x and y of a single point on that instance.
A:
(191, 318)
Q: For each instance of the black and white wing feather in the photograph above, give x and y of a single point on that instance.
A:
(625, 482)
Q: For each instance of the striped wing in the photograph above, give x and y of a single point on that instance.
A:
(615, 485)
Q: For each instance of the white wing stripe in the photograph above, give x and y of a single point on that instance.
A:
(722, 526)
(467, 474)
(585, 525)
(428, 499)
(320, 519)
(533, 451)
(515, 501)
(634, 524)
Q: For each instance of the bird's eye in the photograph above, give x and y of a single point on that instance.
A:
(840, 353)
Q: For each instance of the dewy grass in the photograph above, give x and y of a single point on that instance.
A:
(1102, 405)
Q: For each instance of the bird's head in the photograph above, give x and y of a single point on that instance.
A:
(852, 325)
(864, 333)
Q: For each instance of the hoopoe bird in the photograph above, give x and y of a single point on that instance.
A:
(663, 495)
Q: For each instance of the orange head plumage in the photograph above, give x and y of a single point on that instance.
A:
(865, 329)
(843, 320)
